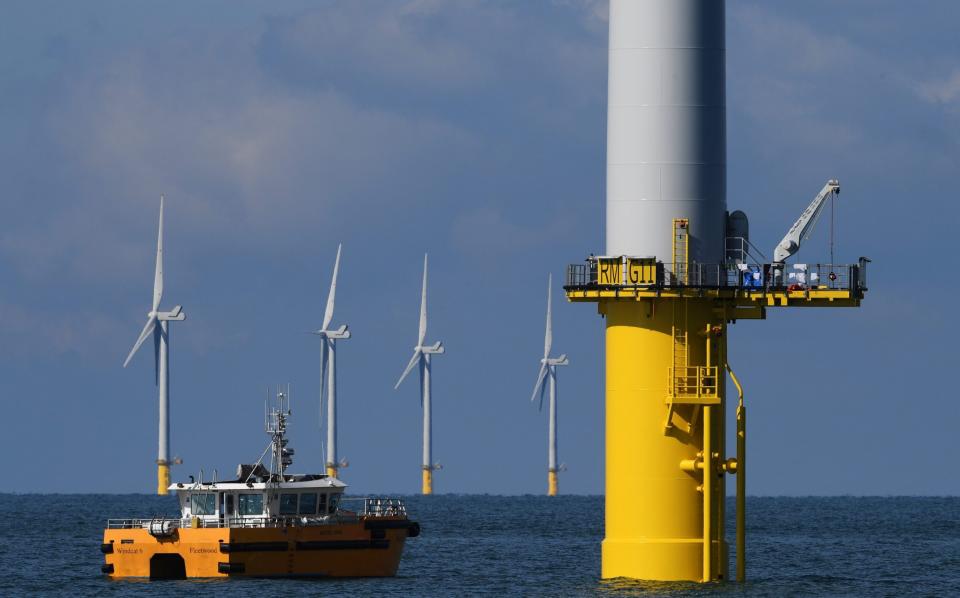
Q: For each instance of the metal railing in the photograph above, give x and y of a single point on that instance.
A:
(692, 382)
(376, 506)
(749, 277)
(366, 507)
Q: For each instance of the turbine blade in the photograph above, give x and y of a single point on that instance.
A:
(423, 306)
(143, 336)
(538, 387)
(543, 391)
(323, 375)
(331, 296)
(548, 335)
(158, 272)
(157, 333)
(413, 362)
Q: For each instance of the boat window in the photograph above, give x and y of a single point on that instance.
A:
(288, 504)
(203, 504)
(229, 504)
(250, 504)
(323, 504)
(308, 504)
(334, 501)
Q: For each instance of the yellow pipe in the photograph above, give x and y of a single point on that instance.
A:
(332, 471)
(741, 480)
(707, 494)
(163, 478)
(720, 434)
(552, 483)
(707, 481)
(427, 481)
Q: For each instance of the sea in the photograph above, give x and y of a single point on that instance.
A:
(525, 546)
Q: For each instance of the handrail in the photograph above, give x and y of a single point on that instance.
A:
(741, 479)
(622, 273)
(370, 507)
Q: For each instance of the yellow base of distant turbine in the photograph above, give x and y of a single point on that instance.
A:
(552, 483)
(163, 478)
(427, 481)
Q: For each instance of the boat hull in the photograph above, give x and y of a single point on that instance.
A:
(366, 548)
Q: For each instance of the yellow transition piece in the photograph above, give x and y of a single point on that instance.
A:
(427, 481)
(655, 517)
(163, 478)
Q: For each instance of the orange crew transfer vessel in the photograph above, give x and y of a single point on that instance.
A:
(265, 523)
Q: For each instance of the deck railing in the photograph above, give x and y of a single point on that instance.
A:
(351, 509)
(620, 272)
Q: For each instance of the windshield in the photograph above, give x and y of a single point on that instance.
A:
(250, 504)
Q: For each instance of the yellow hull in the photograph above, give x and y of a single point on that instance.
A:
(357, 549)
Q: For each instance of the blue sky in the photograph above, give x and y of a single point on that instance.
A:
(474, 131)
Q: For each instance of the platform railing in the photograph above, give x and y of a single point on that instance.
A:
(748, 277)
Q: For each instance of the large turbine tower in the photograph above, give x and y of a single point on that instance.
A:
(669, 284)
(328, 372)
(548, 373)
(422, 355)
(157, 324)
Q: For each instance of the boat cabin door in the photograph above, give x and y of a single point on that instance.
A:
(228, 507)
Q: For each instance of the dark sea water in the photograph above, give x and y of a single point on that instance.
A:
(527, 545)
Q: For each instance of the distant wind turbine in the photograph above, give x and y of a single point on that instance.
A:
(157, 324)
(548, 371)
(328, 372)
(422, 355)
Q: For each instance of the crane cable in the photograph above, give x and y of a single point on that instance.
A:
(833, 202)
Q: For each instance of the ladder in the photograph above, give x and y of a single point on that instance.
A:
(676, 377)
(681, 250)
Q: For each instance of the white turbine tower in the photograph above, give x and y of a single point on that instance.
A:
(422, 355)
(328, 372)
(157, 324)
(548, 371)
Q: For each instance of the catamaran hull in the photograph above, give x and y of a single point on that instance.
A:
(368, 548)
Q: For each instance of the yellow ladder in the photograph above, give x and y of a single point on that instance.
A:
(681, 358)
(681, 250)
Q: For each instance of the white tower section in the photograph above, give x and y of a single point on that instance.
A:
(666, 127)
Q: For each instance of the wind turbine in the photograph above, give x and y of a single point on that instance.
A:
(422, 355)
(328, 372)
(548, 372)
(157, 324)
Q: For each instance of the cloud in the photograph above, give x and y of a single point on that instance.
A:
(329, 118)
(237, 155)
(77, 332)
(486, 232)
(944, 91)
(825, 94)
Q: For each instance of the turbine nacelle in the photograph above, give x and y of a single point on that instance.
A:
(339, 333)
(434, 349)
(562, 360)
(174, 315)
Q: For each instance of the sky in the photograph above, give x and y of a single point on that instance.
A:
(474, 131)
